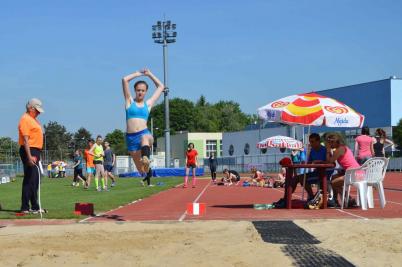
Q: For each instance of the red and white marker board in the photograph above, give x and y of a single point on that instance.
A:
(196, 208)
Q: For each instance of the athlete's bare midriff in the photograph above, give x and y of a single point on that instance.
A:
(135, 125)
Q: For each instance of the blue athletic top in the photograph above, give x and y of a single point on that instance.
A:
(133, 111)
(320, 154)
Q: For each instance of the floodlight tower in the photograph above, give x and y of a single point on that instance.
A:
(164, 32)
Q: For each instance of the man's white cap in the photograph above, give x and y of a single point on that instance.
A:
(35, 103)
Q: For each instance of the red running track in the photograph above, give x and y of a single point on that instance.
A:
(236, 203)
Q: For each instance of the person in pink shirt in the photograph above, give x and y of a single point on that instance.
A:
(364, 149)
(344, 156)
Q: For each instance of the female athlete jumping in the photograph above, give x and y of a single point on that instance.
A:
(138, 138)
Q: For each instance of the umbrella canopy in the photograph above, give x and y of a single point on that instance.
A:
(311, 109)
(280, 142)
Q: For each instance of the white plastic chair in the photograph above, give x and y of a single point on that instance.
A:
(370, 172)
(378, 184)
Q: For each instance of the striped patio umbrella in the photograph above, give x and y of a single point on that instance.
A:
(311, 109)
(280, 142)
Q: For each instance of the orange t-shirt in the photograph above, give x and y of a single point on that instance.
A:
(89, 159)
(31, 127)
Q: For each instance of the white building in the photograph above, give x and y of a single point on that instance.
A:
(204, 143)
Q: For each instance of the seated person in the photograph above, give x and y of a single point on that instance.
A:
(318, 154)
(230, 177)
(257, 178)
(280, 180)
(344, 157)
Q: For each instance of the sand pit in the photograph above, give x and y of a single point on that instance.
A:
(201, 243)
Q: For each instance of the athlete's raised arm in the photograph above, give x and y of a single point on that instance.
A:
(126, 85)
(159, 87)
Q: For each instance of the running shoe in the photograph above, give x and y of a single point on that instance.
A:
(73, 184)
(193, 186)
(105, 189)
(38, 211)
(185, 186)
(151, 185)
(77, 184)
(99, 189)
(142, 183)
(145, 163)
(113, 184)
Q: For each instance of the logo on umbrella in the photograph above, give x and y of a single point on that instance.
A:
(279, 104)
(336, 110)
(271, 115)
(341, 121)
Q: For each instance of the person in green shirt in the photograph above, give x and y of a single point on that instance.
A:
(98, 153)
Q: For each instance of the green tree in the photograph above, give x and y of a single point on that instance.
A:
(80, 138)
(181, 116)
(8, 150)
(59, 141)
(397, 134)
(202, 102)
(231, 118)
(117, 142)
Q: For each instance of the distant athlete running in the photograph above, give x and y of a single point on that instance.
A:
(138, 138)
(191, 162)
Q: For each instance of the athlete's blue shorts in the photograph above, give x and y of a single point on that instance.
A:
(91, 170)
(133, 140)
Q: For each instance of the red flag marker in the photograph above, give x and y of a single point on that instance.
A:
(196, 208)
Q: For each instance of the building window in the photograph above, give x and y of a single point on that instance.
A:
(221, 148)
(264, 150)
(212, 146)
(231, 150)
(247, 149)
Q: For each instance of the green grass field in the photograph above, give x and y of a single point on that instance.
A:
(59, 197)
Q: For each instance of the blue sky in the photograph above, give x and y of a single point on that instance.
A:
(72, 54)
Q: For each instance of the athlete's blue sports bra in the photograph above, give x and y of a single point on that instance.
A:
(133, 111)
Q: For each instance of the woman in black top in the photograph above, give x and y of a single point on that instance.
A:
(381, 143)
(213, 164)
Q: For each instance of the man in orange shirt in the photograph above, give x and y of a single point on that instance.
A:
(31, 142)
(90, 162)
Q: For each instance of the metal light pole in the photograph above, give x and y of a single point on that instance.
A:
(164, 33)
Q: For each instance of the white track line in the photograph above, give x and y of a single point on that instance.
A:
(182, 217)
(397, 203)
(354, 215)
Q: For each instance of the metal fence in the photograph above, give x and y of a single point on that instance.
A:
(270, 163)
(242, 164)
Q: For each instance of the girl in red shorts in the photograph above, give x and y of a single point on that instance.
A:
(191, 162)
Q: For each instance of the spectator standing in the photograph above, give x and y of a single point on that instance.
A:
(213, 164)
(90, 162)
(381, 143)
(31, 142)
(364, 149)
(191, 162)
(110, 160)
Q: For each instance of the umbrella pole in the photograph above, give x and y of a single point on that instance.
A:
(307, 156)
